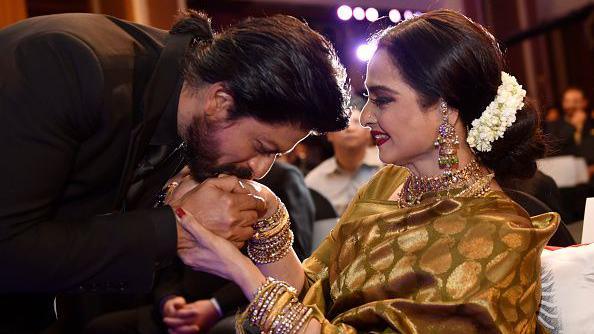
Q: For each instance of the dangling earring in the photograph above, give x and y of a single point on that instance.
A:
(447, 142)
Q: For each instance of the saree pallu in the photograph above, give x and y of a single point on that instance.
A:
(453, 265)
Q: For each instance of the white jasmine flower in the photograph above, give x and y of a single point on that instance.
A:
(499, 115)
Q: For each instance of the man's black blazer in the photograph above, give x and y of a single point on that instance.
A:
(80, 97)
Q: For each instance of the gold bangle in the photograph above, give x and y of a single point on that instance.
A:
(268, 253)
(275, 309)
(269, 223)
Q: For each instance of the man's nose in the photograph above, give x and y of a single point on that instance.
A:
(260, 165)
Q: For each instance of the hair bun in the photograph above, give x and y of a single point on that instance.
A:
(514, 155)
(193, 22)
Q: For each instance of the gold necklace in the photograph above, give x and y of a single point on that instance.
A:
(471, 178)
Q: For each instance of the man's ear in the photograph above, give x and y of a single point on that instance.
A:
(219, 102)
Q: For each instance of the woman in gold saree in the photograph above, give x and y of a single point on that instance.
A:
(432, 246)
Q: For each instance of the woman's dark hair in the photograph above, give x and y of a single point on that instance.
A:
(443, 54)
(277, 69)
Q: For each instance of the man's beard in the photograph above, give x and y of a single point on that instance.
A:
(202, 152)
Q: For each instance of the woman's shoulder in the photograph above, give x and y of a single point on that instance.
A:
(497, 207)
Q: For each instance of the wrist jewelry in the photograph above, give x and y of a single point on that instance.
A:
(275, 309)
(273, 238)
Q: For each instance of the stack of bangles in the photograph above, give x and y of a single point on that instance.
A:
(275, 309)
(273, 238)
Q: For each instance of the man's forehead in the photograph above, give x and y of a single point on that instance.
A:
(284, 137)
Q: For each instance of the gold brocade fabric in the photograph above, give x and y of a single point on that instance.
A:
(454, 265)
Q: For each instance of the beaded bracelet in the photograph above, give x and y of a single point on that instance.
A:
(268, 253)
(275, 309)
(273, 238)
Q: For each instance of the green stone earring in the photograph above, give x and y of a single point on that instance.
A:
(447, 142)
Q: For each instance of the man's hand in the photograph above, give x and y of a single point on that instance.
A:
(177, 320)
(225, 207)
(179, 185)
(183, 318)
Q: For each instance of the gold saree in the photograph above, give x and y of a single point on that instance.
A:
(455, 265)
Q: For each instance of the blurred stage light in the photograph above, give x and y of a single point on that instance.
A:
(417, 13)
(344, 12)
(408, 14)
(365, 52)
(371, 14)
(394, 15)
(358, 13)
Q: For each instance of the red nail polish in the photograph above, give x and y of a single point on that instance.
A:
(180, 212)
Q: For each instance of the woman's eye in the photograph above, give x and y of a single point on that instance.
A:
(380, 101)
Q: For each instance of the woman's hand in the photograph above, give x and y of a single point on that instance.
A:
(262, 191)
(223, 206)
(218, 256)
(210, 253)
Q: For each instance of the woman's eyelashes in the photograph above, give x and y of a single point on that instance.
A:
(380, 101)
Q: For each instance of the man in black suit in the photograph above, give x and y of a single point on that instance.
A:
(213, 298)
(96, 114)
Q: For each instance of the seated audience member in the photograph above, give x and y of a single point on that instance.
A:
(353, 164)
(308, 154)
(560, 135)
(575, 109)
(208, 298)
(552, 114)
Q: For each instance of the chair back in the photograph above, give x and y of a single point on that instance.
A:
(534, 207)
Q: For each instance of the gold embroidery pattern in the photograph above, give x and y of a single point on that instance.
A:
(458, 265)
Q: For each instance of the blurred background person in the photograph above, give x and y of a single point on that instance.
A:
(552, 114)
(575, 112)
(354, 162)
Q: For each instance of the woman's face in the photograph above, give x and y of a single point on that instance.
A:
(403, 130)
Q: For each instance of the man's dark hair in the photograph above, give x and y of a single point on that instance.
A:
(277, 69)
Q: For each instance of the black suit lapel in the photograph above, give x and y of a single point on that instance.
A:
(157, 94)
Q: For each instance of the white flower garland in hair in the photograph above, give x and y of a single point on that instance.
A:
(499, 114)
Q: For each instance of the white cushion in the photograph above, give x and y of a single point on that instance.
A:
(567, 304)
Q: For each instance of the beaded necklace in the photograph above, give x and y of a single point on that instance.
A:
(470, 178)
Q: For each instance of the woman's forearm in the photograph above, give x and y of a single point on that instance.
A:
(287, 269)
(248, 277)
(312, 327)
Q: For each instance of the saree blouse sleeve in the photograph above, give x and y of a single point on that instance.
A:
(458, 265)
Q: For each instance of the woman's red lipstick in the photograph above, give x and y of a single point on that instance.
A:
(379, 137)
